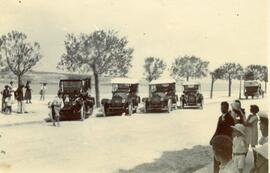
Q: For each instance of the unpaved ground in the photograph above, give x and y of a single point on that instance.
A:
(142, 142)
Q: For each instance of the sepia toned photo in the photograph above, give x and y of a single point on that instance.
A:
(125, 86)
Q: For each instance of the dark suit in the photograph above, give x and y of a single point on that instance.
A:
(223, 128)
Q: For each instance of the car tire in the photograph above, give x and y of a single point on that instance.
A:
(145, 108)
(130, 109)
(82, 112)
(104, 110)
(169, 105)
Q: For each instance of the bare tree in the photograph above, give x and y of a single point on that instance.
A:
(216, 74)
(231, 71)
(20, 56)
(101, 52)
(189, 67)
(153, 68)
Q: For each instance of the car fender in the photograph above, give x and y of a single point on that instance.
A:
(145, 99)
(105, 101)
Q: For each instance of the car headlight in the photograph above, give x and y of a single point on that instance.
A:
(123, 100)
(162, 99)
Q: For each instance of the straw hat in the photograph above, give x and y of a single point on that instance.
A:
(239, 127)
(235, 105)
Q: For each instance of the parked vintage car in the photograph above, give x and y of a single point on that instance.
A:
(253, 88)
(191, 95)
(78, 104)
(124, 97)
(161, 96)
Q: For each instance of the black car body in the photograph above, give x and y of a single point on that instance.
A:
(191, 96)
(78, 104)
(253, 88)
(124, 97)
(162, 96)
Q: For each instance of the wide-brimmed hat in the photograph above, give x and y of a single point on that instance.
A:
(239, 127)
(235, 105)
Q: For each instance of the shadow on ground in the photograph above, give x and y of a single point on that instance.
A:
(183, 161)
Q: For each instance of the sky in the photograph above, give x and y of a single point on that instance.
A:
(214, 30)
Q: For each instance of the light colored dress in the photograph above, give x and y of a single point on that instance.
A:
(228, 168)
(252, 130)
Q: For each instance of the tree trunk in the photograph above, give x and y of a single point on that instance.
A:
(187, 78)
(240, 88)
(265, 86)
(212, 87)
(19, 80)
(230, 86)
(97, 89)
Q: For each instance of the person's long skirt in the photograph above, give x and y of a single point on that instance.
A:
(28, 95)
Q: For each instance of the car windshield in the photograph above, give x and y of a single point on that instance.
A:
(191, 87)
(121, 94)
(161, 88)
(71, 86)
(120, 88)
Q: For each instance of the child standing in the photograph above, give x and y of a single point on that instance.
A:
(8, 102)
(240, 147)
(56, 106)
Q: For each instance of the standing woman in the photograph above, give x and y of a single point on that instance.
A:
(252, 126)
(28, 92)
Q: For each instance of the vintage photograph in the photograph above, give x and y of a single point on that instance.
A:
(125, 86)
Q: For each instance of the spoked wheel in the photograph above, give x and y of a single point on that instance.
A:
(83, 113)
(104, 110)
(89, 112)
(145, 108)
(169, 105)
(130, 109)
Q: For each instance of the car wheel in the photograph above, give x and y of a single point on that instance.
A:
(104, 110)
(169, 105)
(130, 109)
(90, 112)
(83, 113)
(145, 108)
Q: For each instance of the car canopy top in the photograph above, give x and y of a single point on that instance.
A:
(162, 81)
(250, 83)
(124, 81)
(191, 83)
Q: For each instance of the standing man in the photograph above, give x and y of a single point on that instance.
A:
(224, 124)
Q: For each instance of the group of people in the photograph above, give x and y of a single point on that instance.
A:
(23, 95)
(234, 134)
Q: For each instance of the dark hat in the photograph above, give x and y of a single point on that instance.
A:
(6, 86)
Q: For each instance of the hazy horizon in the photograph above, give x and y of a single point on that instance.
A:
(216, 31)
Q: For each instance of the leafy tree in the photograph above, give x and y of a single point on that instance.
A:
(189, 67)
(153, 68)
(20, 56)
(102, 52)
(216, 74)
(231, 71)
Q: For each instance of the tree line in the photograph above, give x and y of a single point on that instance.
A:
(106, 53)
